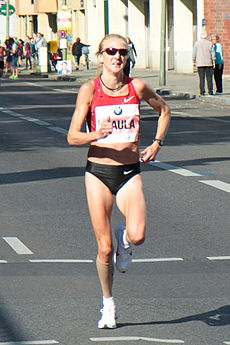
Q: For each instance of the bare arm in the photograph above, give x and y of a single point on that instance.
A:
(156, 102)
(75, 136)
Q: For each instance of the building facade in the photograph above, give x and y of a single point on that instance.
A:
(217, 16)
(138, 19)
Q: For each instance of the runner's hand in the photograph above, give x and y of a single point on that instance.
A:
(106, 128)
(149, 154)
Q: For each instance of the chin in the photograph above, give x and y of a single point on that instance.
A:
(117, 68)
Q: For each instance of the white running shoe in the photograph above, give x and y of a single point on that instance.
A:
(123, 255)
(108, 317)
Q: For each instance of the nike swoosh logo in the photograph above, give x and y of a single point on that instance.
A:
(126, 100)
(127, 172)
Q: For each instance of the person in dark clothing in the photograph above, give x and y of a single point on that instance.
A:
(77, 51)
(131, 58)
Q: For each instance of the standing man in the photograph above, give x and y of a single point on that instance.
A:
(77, 51)
(204, 59)
(219, 66)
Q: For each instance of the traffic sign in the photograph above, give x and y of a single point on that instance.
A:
(3, 10)
(63, 34)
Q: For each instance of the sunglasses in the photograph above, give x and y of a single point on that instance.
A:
(113, 51)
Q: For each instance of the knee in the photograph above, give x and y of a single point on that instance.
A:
(137, 236)
(105, 252)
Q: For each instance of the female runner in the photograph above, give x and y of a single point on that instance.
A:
(110, 104)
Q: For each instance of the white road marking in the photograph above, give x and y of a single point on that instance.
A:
(133, 338)
(58, 129)
(31, 93)
(215, 258)
(199, 117)
(218, 184)
(17, 246)
(174, 169)
(32, 342)
(65, 90)
(61, 261)
(36, 121)
(217, 120)
(157, 260)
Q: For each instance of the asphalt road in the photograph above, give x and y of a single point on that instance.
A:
(178, 287)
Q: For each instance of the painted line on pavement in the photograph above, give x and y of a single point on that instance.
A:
(173, 168)
(216, 258)
(36, 121)
(133, 338)
(58, 130)
(65, 90)
(61, 261)
(17, 246)
(157, 260)
(218, 184)
(199, 117)
(32, 342)
(53, 91)
(187, 173)
(215, 119)
(89, 261)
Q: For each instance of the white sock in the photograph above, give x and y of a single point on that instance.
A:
(125, 241)
(108, 301)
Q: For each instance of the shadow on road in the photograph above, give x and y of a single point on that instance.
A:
(40, 175)
(217, 317)
(9, 329)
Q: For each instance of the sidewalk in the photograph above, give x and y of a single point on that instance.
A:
(183, 86)
(178, 85)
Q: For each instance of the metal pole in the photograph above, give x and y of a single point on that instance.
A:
(7, 19)
(162, 80)
(64, 4)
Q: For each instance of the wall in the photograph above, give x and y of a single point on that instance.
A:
(136, 30)
(155, 33)
(183, 36)
(217, 15)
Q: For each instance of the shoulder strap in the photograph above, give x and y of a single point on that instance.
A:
(131, 87)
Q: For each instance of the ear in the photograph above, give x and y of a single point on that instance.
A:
(100, 58)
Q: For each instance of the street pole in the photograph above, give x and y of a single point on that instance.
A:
(7, 19)
(162, 80)
(64, 5)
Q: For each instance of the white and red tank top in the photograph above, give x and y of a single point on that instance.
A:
(123, 111)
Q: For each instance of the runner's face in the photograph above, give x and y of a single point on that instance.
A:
(114, 63)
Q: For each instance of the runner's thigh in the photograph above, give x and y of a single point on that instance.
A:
(100, 202)
(131, 202)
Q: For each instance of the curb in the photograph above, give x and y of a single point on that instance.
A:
(169, 94)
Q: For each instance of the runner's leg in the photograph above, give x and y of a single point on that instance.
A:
(100, 202)
(131, 202)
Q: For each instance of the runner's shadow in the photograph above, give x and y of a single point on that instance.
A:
(217, 317)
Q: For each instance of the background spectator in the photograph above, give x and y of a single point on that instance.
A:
(204, 58)
(219, 65)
